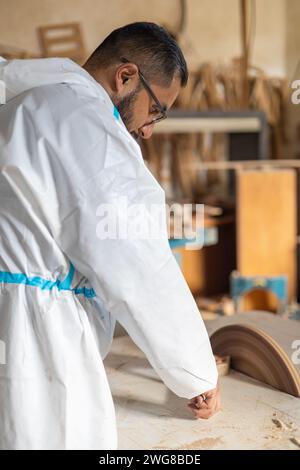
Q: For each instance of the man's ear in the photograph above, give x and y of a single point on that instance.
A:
(126, 78)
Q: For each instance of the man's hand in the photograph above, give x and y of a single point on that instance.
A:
(207, 404)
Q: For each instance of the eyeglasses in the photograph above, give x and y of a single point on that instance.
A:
(161, 108)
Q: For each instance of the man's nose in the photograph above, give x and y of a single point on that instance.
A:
(146, 131)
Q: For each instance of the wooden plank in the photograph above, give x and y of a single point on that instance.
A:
(267, 224)
(244, 422)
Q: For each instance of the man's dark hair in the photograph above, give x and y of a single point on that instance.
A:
(149, 46)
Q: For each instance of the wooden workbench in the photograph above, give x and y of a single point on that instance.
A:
(149, 416)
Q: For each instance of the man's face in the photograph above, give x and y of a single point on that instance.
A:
(137, 108)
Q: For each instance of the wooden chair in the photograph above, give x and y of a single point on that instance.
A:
(62, 40)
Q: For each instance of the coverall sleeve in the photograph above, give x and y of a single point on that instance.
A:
(139, 279)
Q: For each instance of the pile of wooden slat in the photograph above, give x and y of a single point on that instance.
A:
(215, 88)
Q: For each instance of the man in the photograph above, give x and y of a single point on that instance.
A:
(67, 149)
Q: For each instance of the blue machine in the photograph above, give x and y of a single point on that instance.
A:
(241, 285)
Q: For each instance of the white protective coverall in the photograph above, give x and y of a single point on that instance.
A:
(63, 151)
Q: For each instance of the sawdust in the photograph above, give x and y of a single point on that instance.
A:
(272, 437)
(200, 444)
(284, 430)
(280, 424)
(206, 443)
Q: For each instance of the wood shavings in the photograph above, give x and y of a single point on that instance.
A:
(286, 430)
(280, 424)
(272, 437)
(296, 441)
(292, 426)
(223, 365)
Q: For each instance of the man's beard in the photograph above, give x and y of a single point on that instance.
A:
(125, 108)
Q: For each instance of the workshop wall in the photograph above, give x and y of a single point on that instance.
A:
(213, 29)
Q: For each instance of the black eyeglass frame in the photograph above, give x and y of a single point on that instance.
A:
(148, 88)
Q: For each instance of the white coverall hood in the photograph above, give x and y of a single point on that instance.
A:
(22, 75)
